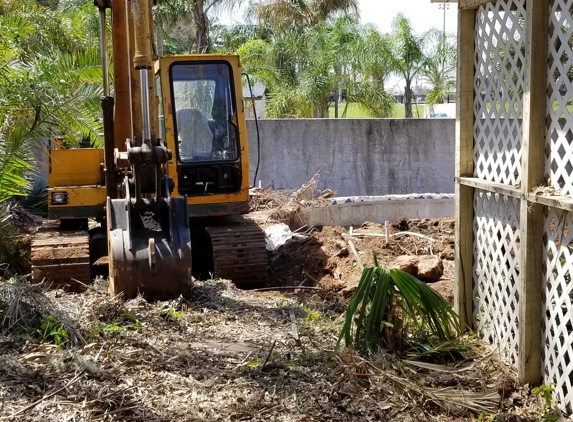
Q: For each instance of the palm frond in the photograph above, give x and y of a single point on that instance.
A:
(381, 291)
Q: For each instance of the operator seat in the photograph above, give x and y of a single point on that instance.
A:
(194, 135)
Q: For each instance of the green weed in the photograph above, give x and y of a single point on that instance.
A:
(311, 315)
(106, 329)
(546, 392)
(50, 330)
(173, 314)
(385, 301)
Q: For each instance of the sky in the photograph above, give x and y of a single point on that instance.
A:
(422, 14)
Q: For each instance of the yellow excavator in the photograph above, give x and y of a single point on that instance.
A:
(170, 185)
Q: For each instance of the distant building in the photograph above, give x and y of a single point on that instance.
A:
(258, 96)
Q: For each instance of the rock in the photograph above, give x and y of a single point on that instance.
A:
(401, 224)
(408, 263)
(430, 268)
(448, 253)
(445, 288)
(349, 290)
(277, 235)
(425, 267)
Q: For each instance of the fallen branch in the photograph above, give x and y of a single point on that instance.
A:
(75, 280)
(423, 236)
(446, 397)
(269, 355)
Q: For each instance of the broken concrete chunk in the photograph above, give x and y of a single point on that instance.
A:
(277, 235)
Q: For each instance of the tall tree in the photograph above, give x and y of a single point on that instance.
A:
(373, 59)
(50, 83)
(198, 12)
(303, 71)
(302, 14)
(407, 58)
(440, 69)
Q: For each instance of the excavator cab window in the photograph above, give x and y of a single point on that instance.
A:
(204, 109)
(207, 140)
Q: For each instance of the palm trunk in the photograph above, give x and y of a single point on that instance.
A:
(408, 100)
(201, 27)
(159, 40)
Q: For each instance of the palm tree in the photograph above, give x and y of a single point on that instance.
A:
(49, 85)
(228, 39)
(373, 59)
(302, 14)
(302, 71)
(407, 59)
(169, 12)
(440, 68)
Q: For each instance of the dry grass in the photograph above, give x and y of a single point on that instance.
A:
(231, 355)
(282, 204)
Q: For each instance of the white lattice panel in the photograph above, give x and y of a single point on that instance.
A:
(498, 90)
(495, 270)
(558, 305)
(559, 149)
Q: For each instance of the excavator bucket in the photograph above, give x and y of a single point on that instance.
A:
(150, 251)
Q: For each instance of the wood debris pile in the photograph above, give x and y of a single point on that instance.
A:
(286, 202)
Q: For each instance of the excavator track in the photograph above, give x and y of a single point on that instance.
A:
(61, 256)
(239, 252)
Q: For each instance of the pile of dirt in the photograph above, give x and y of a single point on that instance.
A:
(322, 258)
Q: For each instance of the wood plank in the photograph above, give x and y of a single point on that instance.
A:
(559, 202)
(502, 189)
(463, 297)
(473, 4)
(62, 273)
(532, 173)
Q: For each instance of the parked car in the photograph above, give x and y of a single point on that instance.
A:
(438, 115)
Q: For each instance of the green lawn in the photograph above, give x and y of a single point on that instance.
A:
(355, 112)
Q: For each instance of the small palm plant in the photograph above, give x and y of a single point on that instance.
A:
(384, 299)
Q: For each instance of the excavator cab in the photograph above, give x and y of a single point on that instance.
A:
(205, 114)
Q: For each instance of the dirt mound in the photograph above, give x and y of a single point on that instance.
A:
(322, 258)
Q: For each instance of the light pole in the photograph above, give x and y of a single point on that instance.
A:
(444, 6)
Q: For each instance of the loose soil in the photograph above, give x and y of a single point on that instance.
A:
(322, 256)
(239, 355)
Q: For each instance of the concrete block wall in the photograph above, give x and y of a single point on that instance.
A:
(357, 156)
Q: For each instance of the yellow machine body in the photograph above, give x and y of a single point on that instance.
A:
(173, 171)
(75, 183)
(216, 203)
